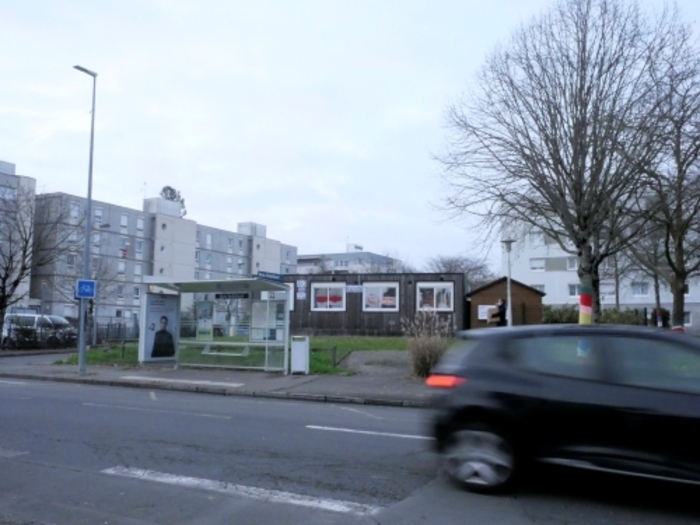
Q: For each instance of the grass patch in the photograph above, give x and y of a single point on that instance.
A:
(321, 353)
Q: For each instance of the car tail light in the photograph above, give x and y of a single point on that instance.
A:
(444, 381)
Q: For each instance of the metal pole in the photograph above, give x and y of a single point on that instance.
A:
(509, 310)
(82, 334)
(508, 243)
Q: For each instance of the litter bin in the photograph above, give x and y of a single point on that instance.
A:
(300, 354)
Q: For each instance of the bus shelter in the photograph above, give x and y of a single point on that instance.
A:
(240, 323)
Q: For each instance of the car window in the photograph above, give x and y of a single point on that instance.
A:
(25, 321)
(565, 355)
(656, 364)
(43, 322)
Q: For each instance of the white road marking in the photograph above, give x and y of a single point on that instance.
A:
(273, 496)
(369, 432)
(156, 410)
(181, 381)
(153, 396)
(6, 453)
(360, 412)
(5, 382)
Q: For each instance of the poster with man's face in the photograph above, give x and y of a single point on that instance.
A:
(162, 327)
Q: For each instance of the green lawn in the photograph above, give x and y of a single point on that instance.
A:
(321, 353)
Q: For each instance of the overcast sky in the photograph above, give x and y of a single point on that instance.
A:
(316, 118)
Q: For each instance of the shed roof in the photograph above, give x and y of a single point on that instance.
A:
(501, 280)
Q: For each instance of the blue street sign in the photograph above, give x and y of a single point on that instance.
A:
(85, 289)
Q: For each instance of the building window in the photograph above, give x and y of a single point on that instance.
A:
(120, 291)
(139, 224)
(207, 258)
(687, 319)
(208, 239)
(70, 261)
(327, 296)
(98, 217)
(572, 263)
(96, 239)
(536, 239)
(196, 256)
(435, 296)
(74, 210)
(121, 268)
(197, 237)
(196, 275)
(537, 265)
(240, 244)
(139, 247)
(124, 221)
(230, 243)
(640, 289)
(229, 263)
(538, 287)
(573, 290)
(207, 276)
(137, 269)
(95, 263)
(73, 236)
(240, 263)
(137, 292)
(380, 297)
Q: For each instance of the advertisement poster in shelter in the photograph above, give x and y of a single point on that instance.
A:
(162, 323)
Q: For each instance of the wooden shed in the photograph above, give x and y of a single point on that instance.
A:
(526, 307)
(373, 304)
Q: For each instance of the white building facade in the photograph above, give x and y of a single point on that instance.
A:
(540, 262)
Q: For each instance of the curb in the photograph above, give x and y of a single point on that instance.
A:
(223, 391)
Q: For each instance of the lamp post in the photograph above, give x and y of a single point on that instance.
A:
(508, 243)
(43, 297)
(82, 336)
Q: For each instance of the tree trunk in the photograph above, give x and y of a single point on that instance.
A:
(657, 291)
(616, 270)
(677, 312)
(587, 299)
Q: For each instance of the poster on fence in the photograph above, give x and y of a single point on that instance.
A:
(161, 322)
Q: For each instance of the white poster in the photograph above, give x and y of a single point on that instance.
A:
(162, 328)
(484, 311)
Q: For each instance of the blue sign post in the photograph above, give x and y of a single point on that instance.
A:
(85, 289)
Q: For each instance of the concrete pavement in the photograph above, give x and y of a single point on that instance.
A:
(380, 378)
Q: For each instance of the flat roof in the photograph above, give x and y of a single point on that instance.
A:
(239, 284)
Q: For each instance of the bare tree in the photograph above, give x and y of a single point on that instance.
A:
(559, 130)
(476, 271)
(674, 202)
(31, 237)
(102, 269)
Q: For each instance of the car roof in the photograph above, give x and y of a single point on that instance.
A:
(542, 329)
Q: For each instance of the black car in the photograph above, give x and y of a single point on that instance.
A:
(608, 398)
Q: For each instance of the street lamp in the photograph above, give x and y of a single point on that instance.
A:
(508, 243)
(82, 336)
(43, 297)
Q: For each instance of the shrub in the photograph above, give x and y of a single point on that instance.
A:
(567, 313)
(626, 316)
(429, 336)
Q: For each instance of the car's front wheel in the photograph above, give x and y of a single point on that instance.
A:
(479, 458)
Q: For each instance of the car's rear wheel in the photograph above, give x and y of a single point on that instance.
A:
(479, 458)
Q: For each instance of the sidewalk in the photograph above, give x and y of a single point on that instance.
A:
(381, 378)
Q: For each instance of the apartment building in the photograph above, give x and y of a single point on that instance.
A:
(353, 260)
(13, 187)
(128, 243)
(540, 262)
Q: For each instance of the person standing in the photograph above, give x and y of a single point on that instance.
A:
(500, 313)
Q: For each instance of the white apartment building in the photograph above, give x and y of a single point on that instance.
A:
(13, 186)
(127, 244)
(541, 263)
(353, 260)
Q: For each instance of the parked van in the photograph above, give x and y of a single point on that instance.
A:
(37, 331)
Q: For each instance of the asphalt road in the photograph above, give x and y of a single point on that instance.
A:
(73, 454)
